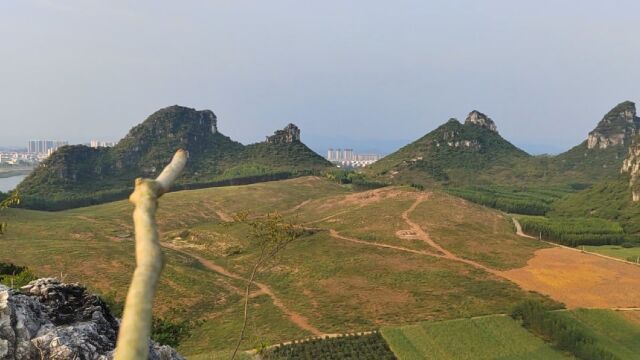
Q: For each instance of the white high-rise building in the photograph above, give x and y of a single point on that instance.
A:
(44, 146)
(349, 158)
(98, 143)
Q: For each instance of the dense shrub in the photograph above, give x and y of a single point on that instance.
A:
(171, 333)
(370, 346)
(15, 276)
(565, 334)
(575, 232)
(357, 180)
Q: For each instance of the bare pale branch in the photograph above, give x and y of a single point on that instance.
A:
(135, 328)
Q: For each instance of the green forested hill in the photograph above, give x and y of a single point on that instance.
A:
(451, 153)
(601, 155)
(474, 153)
(79, 175)
(610, 199)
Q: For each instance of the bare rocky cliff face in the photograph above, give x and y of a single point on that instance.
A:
(48, 319)
(616, 128)
(288, 135)
(631, 166)
(477, 118)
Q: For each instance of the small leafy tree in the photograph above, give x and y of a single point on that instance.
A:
(11, 200)
(271, 233)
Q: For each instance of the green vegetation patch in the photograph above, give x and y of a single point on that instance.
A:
(625, 253)
(609, 200)
(15, 276)
(354, 346)
(611, 330)
(590, 334)
(576, 231)
(489, 337)
(517, 200)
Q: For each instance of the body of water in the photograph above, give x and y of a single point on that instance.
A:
(10, 183)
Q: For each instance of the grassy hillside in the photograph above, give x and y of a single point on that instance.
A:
(359, 267)
(490, 337)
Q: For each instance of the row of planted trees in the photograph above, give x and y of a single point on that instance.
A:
(353, 346)
(560, 330)
(576, 232)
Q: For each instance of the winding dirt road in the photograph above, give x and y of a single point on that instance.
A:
(419, 233)
(299, 320)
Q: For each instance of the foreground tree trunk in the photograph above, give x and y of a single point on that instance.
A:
(135, 328)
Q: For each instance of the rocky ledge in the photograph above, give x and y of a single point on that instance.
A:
(477, 118)
(631, 165)
(48, 319)
(288, 135)
(617, 127)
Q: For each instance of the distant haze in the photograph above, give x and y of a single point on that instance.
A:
(371, 75)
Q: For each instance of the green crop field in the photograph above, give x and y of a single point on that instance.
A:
(629, 254)
(489, 337)
(614, 331)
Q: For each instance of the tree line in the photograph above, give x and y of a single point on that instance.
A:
(525, 201)
(577, 231)
(560, 330)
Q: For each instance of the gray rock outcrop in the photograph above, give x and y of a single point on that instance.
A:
(617, 127)
(631, 165)
(48, 319)
(287, 135)
(477, 118)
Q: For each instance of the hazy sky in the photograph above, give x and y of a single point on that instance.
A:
(367, 74)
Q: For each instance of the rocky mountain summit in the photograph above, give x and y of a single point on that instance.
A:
(477, 118)
(287, 135)
(48, 319)
(617, 127)
(450, 153)
(601, 155)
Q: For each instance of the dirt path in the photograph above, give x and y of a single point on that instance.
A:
(424, 236)
(299, 320)
(224, 216)
(336, 235)
(519, 231)
(297, 207)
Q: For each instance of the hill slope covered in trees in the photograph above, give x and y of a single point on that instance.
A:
(450, 153)
(79, 175)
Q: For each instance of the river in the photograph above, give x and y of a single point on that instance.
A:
(10, 183)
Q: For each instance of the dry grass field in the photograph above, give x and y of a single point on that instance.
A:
(384, 257)
(579, 279)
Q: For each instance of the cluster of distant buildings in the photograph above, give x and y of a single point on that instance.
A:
(349, 158)
(44, 147)
(38, 150)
